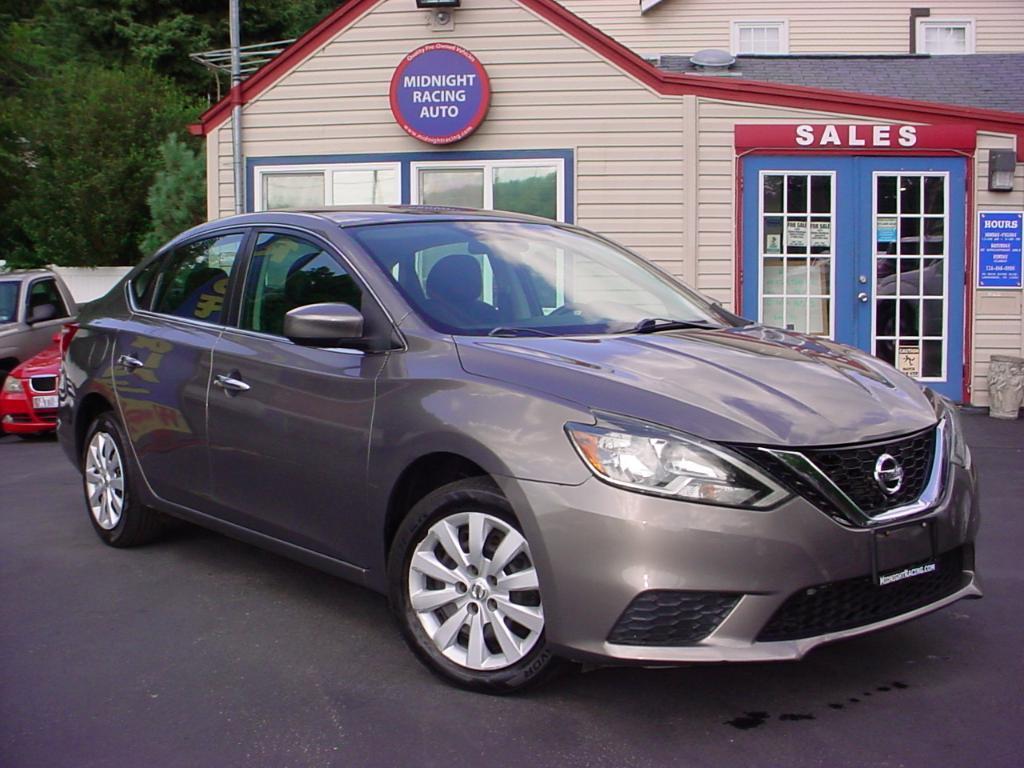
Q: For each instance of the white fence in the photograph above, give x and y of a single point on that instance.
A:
(88, 283)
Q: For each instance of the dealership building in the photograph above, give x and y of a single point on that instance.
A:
(872, 197)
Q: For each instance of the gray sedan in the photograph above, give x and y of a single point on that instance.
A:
(541, 447)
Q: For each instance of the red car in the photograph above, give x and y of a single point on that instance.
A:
(28, 399)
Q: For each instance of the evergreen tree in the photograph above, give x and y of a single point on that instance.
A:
(88, 90)
(88, 151)
(177, 199)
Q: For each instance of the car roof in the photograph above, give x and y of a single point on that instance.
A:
(25, 274)
(352, 215)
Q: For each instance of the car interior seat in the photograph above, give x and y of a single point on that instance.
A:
(454, 289)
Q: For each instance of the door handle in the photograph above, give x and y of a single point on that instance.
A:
(230, 384)
(862, 296)
(129, 362)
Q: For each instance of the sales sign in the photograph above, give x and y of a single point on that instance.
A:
(440, 93)
(999, 249)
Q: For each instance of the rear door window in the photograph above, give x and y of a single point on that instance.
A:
(288, 272)
(9, 301)
(194, 282)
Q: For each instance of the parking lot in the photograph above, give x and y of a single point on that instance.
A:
(201, 651)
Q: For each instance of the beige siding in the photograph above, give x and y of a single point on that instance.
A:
(815, 26)
(628, 142)
(213, 163)
(998, 315)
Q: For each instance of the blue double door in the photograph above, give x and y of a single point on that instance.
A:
(869, 251)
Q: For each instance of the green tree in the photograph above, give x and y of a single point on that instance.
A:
(88, 89)
(161, 33)
(89, 141)
(177, 199)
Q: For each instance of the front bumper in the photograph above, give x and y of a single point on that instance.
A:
(597, 548)
(18, 417)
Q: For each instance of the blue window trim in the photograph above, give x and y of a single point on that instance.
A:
(406, 159)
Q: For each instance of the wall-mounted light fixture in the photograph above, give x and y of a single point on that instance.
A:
(1001, 166)
(442, 13)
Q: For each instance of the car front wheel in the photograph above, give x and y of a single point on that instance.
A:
(465, 590)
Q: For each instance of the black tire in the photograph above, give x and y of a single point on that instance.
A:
(137, 523)
(472, 495)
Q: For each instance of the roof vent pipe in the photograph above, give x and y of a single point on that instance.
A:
(712, 60)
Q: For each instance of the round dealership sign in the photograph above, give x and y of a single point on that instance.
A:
(440, 93)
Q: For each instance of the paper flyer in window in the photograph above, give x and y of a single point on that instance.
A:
(796, 234)
(886, 229)
(908, 360)
(821, 235)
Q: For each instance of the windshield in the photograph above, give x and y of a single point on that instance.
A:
(510, 278)
(8, 301)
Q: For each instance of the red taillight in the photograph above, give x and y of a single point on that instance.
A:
(67, 333)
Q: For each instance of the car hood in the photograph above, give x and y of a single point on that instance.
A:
(46, 363)
(745, 385)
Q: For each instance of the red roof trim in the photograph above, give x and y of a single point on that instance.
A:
(728, 89)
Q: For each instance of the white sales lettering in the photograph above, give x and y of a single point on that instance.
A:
(855, 135)
(831, 136)
(908, 136)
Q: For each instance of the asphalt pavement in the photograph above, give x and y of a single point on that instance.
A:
(201, 651)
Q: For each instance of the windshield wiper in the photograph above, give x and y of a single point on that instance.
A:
(508, 330)
(654, 324)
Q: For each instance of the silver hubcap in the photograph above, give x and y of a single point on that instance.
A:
(473, 586)
(104, 481)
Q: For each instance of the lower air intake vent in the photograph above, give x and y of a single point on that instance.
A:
(671, 617)
(857, 602)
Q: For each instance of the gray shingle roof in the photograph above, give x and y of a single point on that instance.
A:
(985, 81)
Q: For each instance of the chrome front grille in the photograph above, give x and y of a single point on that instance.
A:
(841, 480)
(852, 470)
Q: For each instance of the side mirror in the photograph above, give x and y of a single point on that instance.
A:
(324, 325)
(41, 313)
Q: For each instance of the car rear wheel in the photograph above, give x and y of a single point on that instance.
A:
(465, 590)
(114, 509)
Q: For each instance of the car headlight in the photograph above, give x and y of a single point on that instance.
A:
(652, 459)
(12, 384)
(956, 442)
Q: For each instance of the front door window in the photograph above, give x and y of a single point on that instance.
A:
(910, 286)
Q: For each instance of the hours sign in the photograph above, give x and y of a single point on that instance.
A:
(440, 93)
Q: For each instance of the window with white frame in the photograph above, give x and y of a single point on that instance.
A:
(760, 36)
(945, 36)
(313, 186)
(522, 186)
